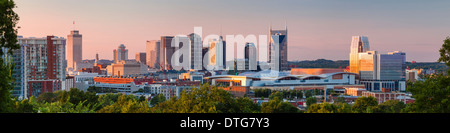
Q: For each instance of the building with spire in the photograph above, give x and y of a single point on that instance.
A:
(277, 49)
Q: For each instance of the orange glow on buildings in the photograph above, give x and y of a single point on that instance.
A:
(115, 80)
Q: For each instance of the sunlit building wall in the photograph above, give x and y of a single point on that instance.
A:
(359, 44)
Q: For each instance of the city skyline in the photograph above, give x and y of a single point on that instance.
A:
(315, 28)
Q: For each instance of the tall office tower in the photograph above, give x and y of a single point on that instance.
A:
(392, 66)
(277, 50)
(382, 70)
(196, 51)
(120, 53)
(368, 65)
(250, 56)
(141, 57)
(360, 44)
(74, 49)
(216, 53)
(166, 52)
(153, 53)
(41, 65)
(204, 51)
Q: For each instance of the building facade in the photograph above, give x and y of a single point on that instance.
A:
(166, 51)
(277, 49)
(120, 53)
(141, 58)
(41, 65)
(152, 53)
(74, 49)
(250, 56)
(358, 45)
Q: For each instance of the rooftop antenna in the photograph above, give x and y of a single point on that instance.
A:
(285, 24)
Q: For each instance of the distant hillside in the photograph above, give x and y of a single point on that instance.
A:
(323, 63)
(319, 63)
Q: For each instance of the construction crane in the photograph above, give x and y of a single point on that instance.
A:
(167, 80)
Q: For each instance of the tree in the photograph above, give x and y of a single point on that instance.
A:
(431, 95)
(126, 104)
(25, 106)
(365, 105)
(157, 99)
(329, 108)
(278, 106)
(390, 106)
(206, 99)
(340, 100)
(47, 97)
(445, 53)
(311, 101)
(276, 94)
(8, 41)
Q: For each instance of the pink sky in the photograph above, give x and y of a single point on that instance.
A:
(315, 29)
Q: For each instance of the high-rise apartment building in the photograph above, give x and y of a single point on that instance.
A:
(360, 44)
(141, 57)
(152, 54)
(40, 65)
(277, 49)
(74, 49)
(120, 53)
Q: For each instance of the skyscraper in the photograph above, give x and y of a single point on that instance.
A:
(382, 70)
(166, 52)
(120, 53)
(40, 64)
(153, 52)
(141, 57)
(216, 54)
(196, 51)
(277, 49)
(250, 56)
(74, 49)
(360, 44)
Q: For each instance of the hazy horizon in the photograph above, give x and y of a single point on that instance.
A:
(316, 29)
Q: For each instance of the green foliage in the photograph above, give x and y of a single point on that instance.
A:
(8, 30)
(390, 106)
(445, 53)
(206, 99)
(262, 92)
(431, 95)
(278, 106)
(126, 104)
(365, 105)
(277, 94)
(157, 99)
(330, 108)
(5, 87)
(48, 97)
(311, 101)
(25, 106)
(340, 100)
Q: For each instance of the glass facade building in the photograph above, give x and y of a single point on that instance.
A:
(277, 49)
(360, 44)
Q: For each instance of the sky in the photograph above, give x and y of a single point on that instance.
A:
(316, 29)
